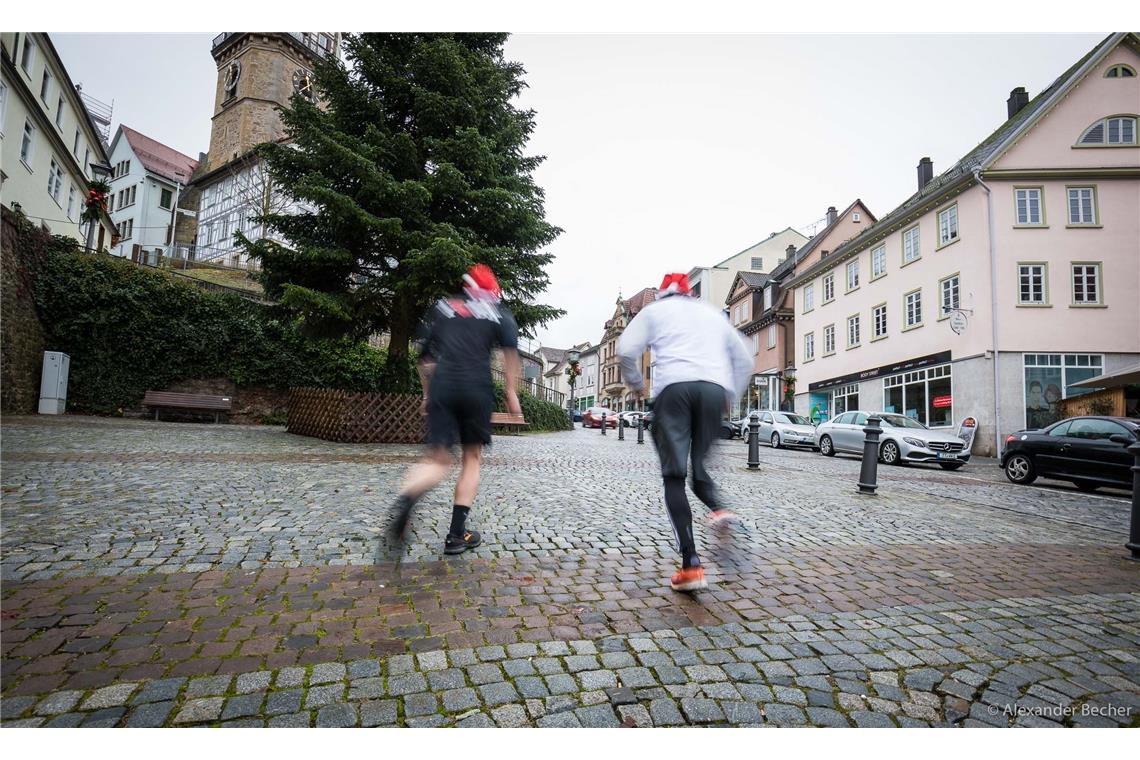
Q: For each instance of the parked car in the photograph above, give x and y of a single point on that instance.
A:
(1089, 452)
(903, 440)
(631, 418)
(740, 425)
(576, 415)
(785, 429)
(592, 417)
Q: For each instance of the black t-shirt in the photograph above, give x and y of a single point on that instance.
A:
(459, 334)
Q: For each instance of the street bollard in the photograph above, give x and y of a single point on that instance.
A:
(754, 441)
(869, 472)
(603, 423)
(641, 430)
(1133, 544)
(621, 429)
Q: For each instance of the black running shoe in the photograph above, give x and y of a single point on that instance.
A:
(400, 516)
(459, 544)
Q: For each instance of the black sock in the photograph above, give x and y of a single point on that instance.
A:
(458, 519)
(677, 504)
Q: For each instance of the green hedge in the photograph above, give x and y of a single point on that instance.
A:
(539, 414)
(129, 330)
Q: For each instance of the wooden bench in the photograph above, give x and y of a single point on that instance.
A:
(194, 402)
(510, 421)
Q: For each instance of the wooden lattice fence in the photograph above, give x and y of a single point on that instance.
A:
(355, 417)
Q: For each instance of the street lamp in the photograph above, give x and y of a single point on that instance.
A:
(99, 172)
(789, 389)
(572, 356)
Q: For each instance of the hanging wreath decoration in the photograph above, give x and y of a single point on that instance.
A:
(573, 372)
(96, 202)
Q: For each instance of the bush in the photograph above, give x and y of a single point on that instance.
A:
(539, 414)
(128, 330)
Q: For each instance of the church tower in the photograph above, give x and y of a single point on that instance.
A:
(257, 72)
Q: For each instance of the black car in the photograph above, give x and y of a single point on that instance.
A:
(1089, 452)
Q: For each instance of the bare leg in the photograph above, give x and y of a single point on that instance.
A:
(427, 474)
(468, 484)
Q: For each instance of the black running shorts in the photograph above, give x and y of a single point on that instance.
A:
(459, 415)
(686, 420)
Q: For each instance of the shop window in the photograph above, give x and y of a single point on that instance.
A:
(925, 396)
(845, 398)
(1049, 378)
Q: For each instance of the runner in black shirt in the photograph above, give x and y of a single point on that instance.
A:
(457, 339)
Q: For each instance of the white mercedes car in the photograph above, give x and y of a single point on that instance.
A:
(903, 440)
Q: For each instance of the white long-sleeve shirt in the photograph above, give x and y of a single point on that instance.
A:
(690, 341)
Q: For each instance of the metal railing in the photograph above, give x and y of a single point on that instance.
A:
(539, 391)
(307, 40)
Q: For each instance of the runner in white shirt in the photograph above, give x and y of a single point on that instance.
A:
(700, 367)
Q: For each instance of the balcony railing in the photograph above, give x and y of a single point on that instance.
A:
(317, 43)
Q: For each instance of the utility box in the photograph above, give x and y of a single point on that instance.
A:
(53, 386)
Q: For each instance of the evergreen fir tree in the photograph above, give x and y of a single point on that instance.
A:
(410, 170)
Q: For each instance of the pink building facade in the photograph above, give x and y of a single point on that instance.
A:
(1002, 281)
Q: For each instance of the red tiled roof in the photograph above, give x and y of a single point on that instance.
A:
(158, 158)
(640, 300)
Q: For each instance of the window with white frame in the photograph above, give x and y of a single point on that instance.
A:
(771, 336)
(45, 85)
(879, 262)
(879, 321)
(126, 229)
(829, 340)
(829, 287)
(755, 343)
(1049, 379)
(1032, 284)
(59, 112)
(75, 146)
(948, 290)
(71, 202)
(28, 59)
(809, 346)
(948, 225)
(912, 303)
(86, 159)
(1082, 206)
(3, 105)
(853, 274)
(28, 145)
(55, 180)
(758, 263)
(768, 296)
(165, 198)
(1115, 130)
(911, 249)
(1086, 283)
(845, 399)
(1028, 200)
(809, 297)
(853, 331)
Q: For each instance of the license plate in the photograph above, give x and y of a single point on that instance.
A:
(947, 455)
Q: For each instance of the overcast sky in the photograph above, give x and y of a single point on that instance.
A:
(669, 152)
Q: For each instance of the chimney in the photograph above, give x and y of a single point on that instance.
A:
(831, 214)
(789, 252)
(1018, 99)
(925, 172)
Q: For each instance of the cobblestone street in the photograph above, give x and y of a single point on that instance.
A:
(166, 574)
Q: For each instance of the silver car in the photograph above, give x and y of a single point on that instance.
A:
(782, 429)
(903, 440)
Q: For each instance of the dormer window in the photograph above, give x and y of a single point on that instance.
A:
(1119, 71)
(1114, 130)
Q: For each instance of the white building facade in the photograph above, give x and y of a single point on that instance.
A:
(712, 284)
(147, 180)
(49, 145)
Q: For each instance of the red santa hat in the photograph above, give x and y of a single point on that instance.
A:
(480, 282)
(674, 282)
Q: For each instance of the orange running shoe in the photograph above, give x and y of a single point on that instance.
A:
(689, 579)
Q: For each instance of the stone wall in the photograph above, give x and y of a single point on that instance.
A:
(21, 335)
